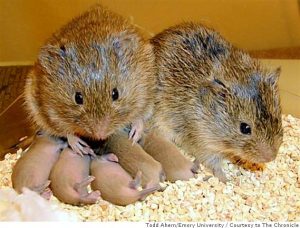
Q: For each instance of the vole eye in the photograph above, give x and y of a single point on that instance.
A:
(245, 129)
(63, 48)
(219, 82)
(78, 98)
(115, 94)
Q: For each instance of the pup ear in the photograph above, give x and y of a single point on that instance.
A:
(273, 78)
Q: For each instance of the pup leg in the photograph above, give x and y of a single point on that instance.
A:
(175, 164)
(84, 196)
(133, 158)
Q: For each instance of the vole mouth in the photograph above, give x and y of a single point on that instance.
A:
(265, 158)
(100, 137)
(94, 143)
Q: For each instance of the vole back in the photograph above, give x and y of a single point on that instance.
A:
(214, 99)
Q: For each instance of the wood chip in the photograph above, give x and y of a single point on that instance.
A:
(270, 193)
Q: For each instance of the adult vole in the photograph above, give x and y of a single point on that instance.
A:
(92, 77)
(213, 99)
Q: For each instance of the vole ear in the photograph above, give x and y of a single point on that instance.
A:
(222, 90)
(212, 91)
(125, 43)
(272, 79)
(51, 58)
(55, 58)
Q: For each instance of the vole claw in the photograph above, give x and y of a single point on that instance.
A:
(79, 146)
(137, 128)
(220, 175)
(196, 166)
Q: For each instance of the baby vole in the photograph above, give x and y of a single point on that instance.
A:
(133, 159)
(214, 100)
(32, 170)
(175, 165)
(70, 178)
(114, 183)
(93, 76)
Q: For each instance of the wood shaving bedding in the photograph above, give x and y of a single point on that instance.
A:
(269, 195)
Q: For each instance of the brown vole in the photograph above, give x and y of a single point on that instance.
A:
(70, 178)
(175, 165)
(32, 170)
(133, 158)
(213, 99)
(93, 76)
(114, 183)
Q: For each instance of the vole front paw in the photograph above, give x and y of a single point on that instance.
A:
(214, 163)
(79, 146)
(87, 198)
(218, 172)
(137, 128)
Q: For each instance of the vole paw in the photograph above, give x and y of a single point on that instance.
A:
(81, 187)
(149, 188)
(196, 166)
(46, 194)
(220, 175)
(136, 131)
(79, 146)
(41, 188)
(136, 181)
(90, 198)
(162, 176)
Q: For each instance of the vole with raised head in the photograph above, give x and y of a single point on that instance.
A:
(92, 77)
(214, 100)
(33, 169)
(70, 178)
(115, 184)
(133, 158)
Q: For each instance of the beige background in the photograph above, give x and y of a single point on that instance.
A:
(249, 24)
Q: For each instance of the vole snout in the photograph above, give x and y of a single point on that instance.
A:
(267, 153)
(101, 130)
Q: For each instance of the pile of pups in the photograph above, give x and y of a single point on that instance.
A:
(112, 108)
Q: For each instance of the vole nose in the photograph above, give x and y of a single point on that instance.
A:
(268, 153)
(100, 134)
(100, 131)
